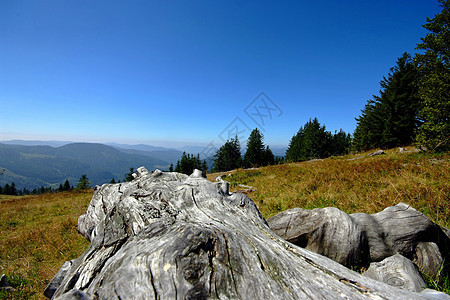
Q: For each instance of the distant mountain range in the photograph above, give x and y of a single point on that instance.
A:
(32, 164)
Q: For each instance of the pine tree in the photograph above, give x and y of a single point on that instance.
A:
(228, 157)
(269, 158)
(390, 119)
(171, 167)
(66, 186)
(13, 190)
(83, 183)
(6, 189)
(434, 84)
(112, 181)
(311, 141)
(129, 175)
(340, 143)
(255, 154)
(400, 101)
(188, 163)
(204, 167)
(177, 167)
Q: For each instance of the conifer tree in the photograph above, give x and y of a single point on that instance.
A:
(228, 156)
(83, 183)
(434, 84)
(13, 190)
(269, 158)
(390, 119)
(188, 163)
(311, 141)
(129, 175)
(340, 143)
(66, 186)
(6, 189)
(255, 154)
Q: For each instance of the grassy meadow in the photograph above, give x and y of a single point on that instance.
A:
(367, 185)
(39, 233)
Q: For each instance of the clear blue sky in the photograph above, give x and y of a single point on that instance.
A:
(189, 72)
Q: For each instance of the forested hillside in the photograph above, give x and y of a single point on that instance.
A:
(35, 166)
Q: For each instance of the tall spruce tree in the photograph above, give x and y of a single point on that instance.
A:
(269, 158)
(434, 84)
(400, 103)
(66, 186)
(390, 119)
(129, 175)
(228, 156)
(340, 143)
(83, 184)
(255, 153)
(311, 141)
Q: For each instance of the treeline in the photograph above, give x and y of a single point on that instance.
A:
(311, 141)
(414, 101)
(188, 163)
(314, 141)
(10, 189)
(229, 157)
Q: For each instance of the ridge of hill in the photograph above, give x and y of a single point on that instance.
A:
(34, 166)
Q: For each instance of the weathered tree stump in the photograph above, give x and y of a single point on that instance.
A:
(170, 236)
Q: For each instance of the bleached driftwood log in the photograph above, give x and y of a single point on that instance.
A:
(170, 236)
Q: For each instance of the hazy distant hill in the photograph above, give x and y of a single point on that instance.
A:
(32, 164)
(36, 143)
(35, 166)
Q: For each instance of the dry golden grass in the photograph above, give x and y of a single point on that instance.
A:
(367, 185)
(37, 234)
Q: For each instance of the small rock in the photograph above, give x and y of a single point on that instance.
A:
(379, 152)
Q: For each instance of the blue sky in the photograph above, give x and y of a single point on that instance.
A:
(173, 73)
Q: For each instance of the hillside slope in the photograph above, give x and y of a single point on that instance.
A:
(351, 183)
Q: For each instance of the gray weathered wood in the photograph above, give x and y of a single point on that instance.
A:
(327, 231)
(397, 271)
(358, 239)
(428, 258)
(170, 236)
